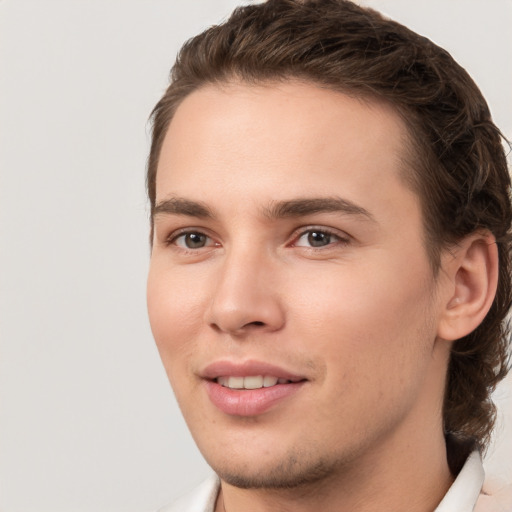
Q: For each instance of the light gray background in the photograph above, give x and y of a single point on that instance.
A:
(87, 419)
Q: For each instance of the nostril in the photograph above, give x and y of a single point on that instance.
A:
(257, 324)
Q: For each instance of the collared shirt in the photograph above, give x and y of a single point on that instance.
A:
(468, 493)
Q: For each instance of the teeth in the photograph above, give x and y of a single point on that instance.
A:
(269, 381)
(252, 382)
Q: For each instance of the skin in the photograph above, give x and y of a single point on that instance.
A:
(361, 317)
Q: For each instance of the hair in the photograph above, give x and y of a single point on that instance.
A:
(455, 160)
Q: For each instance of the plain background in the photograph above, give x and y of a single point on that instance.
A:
(87, 419)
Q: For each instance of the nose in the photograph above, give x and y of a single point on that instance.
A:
(246, 298)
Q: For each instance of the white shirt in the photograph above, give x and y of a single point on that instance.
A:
(468, 493)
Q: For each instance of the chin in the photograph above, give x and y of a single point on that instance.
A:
(293, 470)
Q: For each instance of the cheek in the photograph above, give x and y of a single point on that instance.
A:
(374, 340)
(175, 314)
(368, 319)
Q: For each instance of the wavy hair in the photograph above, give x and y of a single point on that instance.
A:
(456, 161)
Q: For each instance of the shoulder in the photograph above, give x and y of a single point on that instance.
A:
(201, 499)
(496, 496)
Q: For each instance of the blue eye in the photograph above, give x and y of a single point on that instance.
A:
(192, 240)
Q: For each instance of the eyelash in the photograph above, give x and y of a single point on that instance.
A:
(339, 238)
(174, 237)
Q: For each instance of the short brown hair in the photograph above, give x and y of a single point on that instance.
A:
(456, 162)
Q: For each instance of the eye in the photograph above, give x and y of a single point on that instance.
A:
(318, 238)
(192, 240)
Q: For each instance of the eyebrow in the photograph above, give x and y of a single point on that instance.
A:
(180, 206)
(277, 210)
(310, 206)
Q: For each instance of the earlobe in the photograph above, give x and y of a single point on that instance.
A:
(473, 278)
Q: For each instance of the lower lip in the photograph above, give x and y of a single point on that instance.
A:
(249, 402)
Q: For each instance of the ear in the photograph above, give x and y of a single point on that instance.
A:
(471, 270)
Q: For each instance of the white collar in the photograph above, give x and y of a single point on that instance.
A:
(465, 490)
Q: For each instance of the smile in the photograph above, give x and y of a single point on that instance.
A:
(251, 387)
(251, 382)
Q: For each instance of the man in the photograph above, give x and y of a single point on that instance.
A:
(330, 268)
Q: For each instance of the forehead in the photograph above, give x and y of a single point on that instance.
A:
(290, 136)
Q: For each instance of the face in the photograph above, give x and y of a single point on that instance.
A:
(290, 293)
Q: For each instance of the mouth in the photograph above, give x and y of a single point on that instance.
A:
(250, 388)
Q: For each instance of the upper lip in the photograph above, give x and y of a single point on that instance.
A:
(247, 369)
